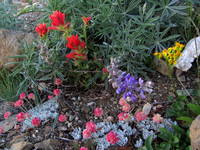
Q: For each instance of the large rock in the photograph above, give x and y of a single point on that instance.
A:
(10, 42)
(191, 51)
(195, 134)
(162, 67)
(21, 146)
(8, 124)
(50, 144)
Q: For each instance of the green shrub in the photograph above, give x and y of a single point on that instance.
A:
(9, 85)
(130, 29)
(178, 139)
(127, 29)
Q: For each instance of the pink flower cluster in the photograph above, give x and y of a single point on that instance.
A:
(140, 116)
(62, 118)
(98, 112)
(83, 148)
(22, 96)
(125, 108)
(90, 128)
(112, 137)
(56, 92)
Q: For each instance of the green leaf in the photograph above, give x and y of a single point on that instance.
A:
(186, 119)
(194, 108)
(148, 143)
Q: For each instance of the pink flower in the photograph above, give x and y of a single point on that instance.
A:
(1, 130)
(7, 114)
(105, 70)
(123, 116)
(56, 92)
(86, 133)
(122, 101)
(126, 107)
(36, 122)
(20, 116)
(62, 118)
(31, 96)
(157, 118)
(58, 81)
(83, 148)
(22, 95)
(91, 126)
(17, 127)
(27, 115)
(139, 116)
(19, 103)
(112, 138)
(50, 96)
(98, 112)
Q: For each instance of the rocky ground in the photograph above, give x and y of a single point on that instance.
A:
(78, 107)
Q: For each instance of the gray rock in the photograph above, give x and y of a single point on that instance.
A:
(10, 42)
(50, 144)
(21, 146)
(195, 134)
(8, 124)
(191, 51)
(45, 111)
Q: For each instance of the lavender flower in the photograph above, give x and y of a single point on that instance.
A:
(126, 84)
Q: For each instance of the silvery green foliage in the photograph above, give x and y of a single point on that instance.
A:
(45, 111)
(122, 129)
(139, 143)
(102, 143)
(144, 129)
(149, 128)
(76, 134)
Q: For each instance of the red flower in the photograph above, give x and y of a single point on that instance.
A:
(20, 116)
(76, 56)
(57, 18)
(86, 20)
(36, 122)
(22, 95)
(91, 126)
(83, 148)
(86, 133)
(62, 118)
(19, 103)
(56, 92)
(123, 116)
(105, 70)
(41, 29)
(74, 43)
(7, 114)
(58, 81)
(112, 138)
(98, 112)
